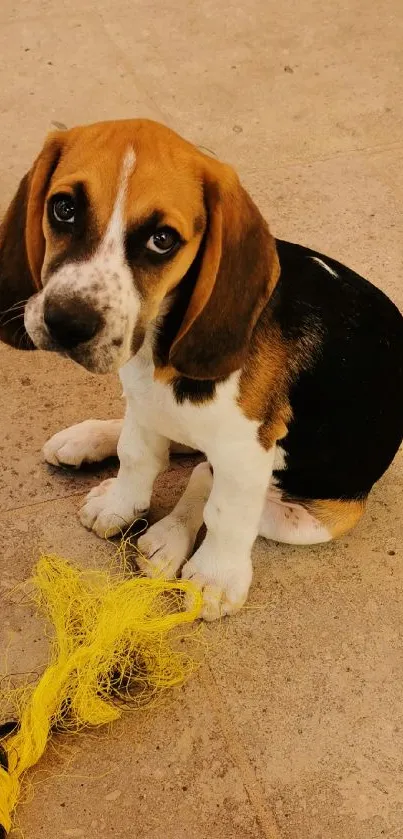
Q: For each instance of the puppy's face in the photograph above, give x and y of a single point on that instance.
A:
(119, 225)
(123, 218)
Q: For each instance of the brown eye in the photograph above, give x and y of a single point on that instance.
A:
(163, 240)
(63, 209)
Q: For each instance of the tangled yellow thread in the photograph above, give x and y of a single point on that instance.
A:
(112, 648)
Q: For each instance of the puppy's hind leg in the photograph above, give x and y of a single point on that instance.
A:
(308, 523)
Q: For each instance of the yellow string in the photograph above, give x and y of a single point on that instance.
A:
(112, 648)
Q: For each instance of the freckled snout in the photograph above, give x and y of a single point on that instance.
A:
(71, 321)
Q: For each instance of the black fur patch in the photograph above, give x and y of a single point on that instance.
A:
(193, 390)
(348, 406)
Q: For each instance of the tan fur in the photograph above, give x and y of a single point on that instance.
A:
(208, 273)
(238, 273)
(263, 390)
(337, 516)
(166, 375)
(271, 366)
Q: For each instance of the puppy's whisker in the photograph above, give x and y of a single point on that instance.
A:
(19, 304)
(17, 313)
(11, 320)
(23, 335)
(11, 312)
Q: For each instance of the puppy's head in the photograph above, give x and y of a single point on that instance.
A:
(112, 226)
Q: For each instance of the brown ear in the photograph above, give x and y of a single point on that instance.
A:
(239, 268)
(22, 246)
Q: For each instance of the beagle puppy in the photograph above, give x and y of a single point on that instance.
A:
(128, 249)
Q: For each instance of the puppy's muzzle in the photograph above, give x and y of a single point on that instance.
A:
(71, 322)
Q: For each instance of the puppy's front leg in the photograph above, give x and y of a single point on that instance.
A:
(222, 566)
(90, 441)
(117, 502)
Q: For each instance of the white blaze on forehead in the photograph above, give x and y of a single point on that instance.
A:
(114, 231)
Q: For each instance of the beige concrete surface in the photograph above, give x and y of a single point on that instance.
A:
(293, 728)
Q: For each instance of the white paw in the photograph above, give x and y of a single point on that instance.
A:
(224, 580)
(87, 442)
(165, 547)
(106, 511)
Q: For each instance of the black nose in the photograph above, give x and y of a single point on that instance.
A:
(71, 322)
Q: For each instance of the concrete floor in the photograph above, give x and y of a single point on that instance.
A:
(293, 729)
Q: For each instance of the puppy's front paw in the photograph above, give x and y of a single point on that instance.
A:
(87, 442)
(106, 511)
(165, 547)
(224, 580)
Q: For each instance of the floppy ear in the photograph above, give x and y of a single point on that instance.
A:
(238, 271)
(22, 245)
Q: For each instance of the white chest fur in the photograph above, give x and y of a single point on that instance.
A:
(205, 426)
